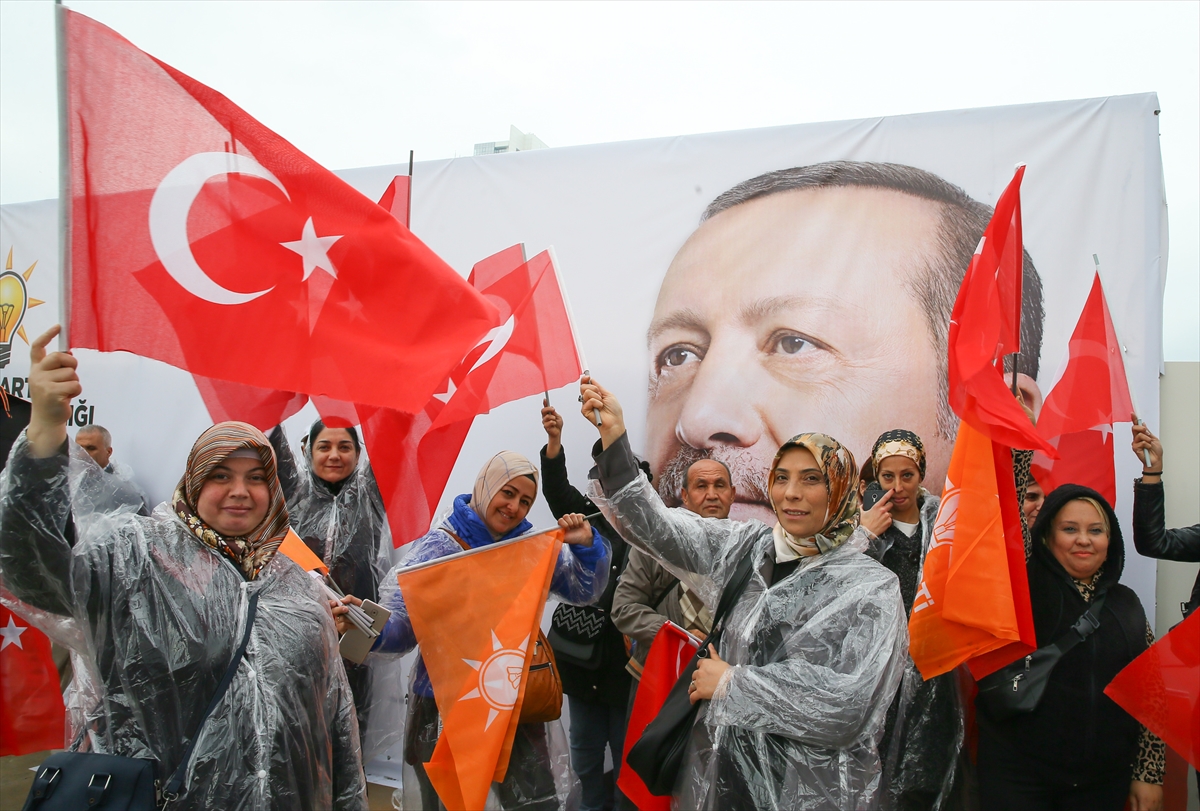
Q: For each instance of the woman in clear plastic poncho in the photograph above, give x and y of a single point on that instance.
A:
(813, 651)
(334, 505)
(154, 608)
(539, 774)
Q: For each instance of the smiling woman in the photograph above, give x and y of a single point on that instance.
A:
(154, 608)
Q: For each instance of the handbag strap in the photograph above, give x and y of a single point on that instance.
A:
(1084, 627)
(170, 791)
(730, 595)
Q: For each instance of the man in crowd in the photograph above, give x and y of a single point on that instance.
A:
(97, 441)
(648, 595)
(815, 298)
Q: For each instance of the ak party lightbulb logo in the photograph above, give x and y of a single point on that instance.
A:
(14, 302)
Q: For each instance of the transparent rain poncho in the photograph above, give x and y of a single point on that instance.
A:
(539, 773)
(346, 526)
(153, 617)
(816, 661)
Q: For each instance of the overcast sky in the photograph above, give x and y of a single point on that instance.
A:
(360, 84)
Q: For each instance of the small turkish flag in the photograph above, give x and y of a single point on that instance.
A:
(32, 717)
(670, 653)
(983, 329)
(475, 616)
(530, 350)
(202, 239)
(1161, 689)
(1092, 394)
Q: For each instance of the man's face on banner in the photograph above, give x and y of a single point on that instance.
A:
(789, 313)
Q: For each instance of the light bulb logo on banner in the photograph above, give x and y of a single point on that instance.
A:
(14, 301)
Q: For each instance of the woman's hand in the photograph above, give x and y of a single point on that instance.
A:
(1145, 796)
(877, 519)
(576, 530)
(1143, 440)
(52, 385)
(340, 609)
(707, 676)
(595, 397)
(552, 423)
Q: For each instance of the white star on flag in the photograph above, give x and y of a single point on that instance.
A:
(1105, 429)
(12, 635)
(499, 677)
(313, 250)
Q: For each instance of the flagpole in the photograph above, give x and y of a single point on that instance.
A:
(533, 533)
(1016, 356)
(408, 224)
(1136, 415)
(571, 321)
(64, 180)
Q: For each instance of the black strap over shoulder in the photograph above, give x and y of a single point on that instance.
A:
(171, 790)
(731, 594)
(1085, 626)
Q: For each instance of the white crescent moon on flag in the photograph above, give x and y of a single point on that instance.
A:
(169, 210)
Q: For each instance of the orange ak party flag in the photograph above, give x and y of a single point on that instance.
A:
(476, 616)
(973, 600)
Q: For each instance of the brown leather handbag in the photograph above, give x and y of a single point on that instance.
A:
(543, 684)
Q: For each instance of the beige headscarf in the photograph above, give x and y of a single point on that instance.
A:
(499, 471)
(841, 511)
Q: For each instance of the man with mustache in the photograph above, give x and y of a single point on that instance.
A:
(815, 298)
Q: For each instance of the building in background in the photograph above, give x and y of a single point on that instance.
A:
(517, 142)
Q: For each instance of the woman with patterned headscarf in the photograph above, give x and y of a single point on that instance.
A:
(793, 703)
(924, 731)
(154, 608)
(539, 773)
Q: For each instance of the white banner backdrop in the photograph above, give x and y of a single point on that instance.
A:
(785, 314)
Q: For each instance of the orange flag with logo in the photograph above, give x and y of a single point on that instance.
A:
(476, 616)
(296, 549)
(973, 597)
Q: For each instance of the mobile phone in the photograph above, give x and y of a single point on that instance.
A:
(872, 495)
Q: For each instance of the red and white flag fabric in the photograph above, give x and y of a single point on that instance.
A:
(983, 329)
(32, 716)
(1089, 398)
(200, 238)
(397, 198)
(670, 653)
(1161, 689)
(531, 349)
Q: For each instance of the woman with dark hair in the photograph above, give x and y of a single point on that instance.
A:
(539, 773)
(811, 652)
(336, 509)
(155, 607)
(1077, 749)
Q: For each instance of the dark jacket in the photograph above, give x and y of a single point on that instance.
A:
(1154, 540)
(1077, 734)
(608, 683)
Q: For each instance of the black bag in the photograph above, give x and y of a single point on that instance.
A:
(575, 632)
(1017, 688)
(87, 781)
(658, 755)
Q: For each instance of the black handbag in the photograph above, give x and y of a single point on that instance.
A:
(658, 755)
(87, 781)
(1017, 688)
(575, 634)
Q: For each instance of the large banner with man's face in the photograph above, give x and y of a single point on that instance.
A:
(735, 289)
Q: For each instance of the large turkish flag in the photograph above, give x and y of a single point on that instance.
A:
(202, 239)
(32, 717)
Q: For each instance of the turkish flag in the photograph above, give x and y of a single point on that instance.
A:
(1161, 689)
(32, 716)
(200, 238)
(1090, 397)
(670, 653)
(530, 350)
(973, 599)
(983, 328)
(476, 616)
(397, 198)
